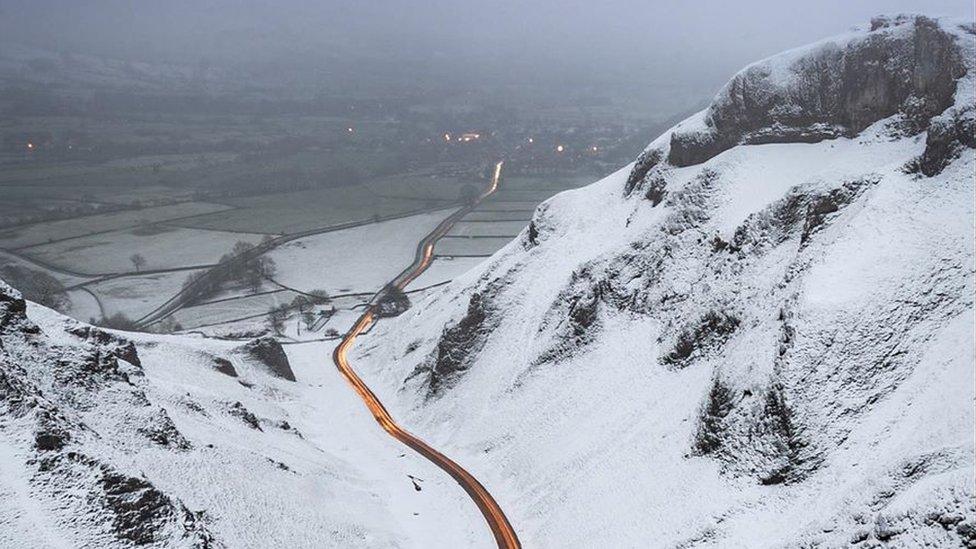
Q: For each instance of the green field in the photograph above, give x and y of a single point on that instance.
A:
(303, 210)
(43, 233)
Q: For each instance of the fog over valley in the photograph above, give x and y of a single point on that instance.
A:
(444, 274)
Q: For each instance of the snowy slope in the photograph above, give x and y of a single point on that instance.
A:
(123, 440)
(760, 334)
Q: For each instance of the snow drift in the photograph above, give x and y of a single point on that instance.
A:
(758, 335)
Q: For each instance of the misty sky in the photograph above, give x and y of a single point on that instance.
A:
(681, 44)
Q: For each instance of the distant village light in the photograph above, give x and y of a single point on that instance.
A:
(447, 137)
(560, 148)
(349, 129)
(30, 145)
(531, 140)
(594, 148)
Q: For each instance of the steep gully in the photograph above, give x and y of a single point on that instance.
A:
(504, 534)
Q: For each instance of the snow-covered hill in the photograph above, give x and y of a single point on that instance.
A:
(124, 440)
(758, 335)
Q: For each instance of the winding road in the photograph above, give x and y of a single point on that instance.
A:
(504, 534)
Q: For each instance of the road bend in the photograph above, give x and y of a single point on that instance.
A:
(504, 534)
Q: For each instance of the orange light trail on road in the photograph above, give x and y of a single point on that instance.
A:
(504, 534)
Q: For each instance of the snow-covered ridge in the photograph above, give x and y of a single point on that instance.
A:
(906, 65)
(120, 440)
(769, 347)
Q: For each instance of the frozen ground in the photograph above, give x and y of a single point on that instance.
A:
(361, 259)
(55, 230)
(169, 248)
(256, 460)
(444, 269)
(136, 296)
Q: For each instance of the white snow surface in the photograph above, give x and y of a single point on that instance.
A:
(841, 398)
(314, 470)
(361, 259)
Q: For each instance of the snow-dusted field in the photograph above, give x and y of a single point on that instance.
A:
(135, 296)
(361, 259)
(84, 307)
(7, 258)
(472, 246)
(110, 252)
(467, 228)
(444, 269)
(41, 233)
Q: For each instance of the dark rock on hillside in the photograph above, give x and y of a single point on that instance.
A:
(947, 136)
(460, 343)
(904, 64)
(223, 366)
(713, 329)
(656, 192)
(117, 346)
(822, 206)
(72, 397)
(12, 306)
(645, 161)
(711, 425)
(238, 410)
(268, 353)
(576, 316)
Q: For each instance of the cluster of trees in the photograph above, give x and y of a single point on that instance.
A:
(393, 302)
(37, 286)
(304, 305)
(245, 264)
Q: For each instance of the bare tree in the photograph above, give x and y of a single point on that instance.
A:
(137, 261)
(277, 317)
(309, 318)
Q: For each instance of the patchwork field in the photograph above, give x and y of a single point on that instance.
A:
(231, 310)
(303, 210)
(41, 233)
(135, 296)
(473, 246)
(362, 259)
(492, 228)
(444, 269)
(110, 252)
(84, 306)
(7, 258)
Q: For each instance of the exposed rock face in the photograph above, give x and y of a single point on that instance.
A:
(116, 345)
(268, 353)
(781, 334)
(68, 396)
(837, 89)
(460, 343)
(222, 365)
(908, 66)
